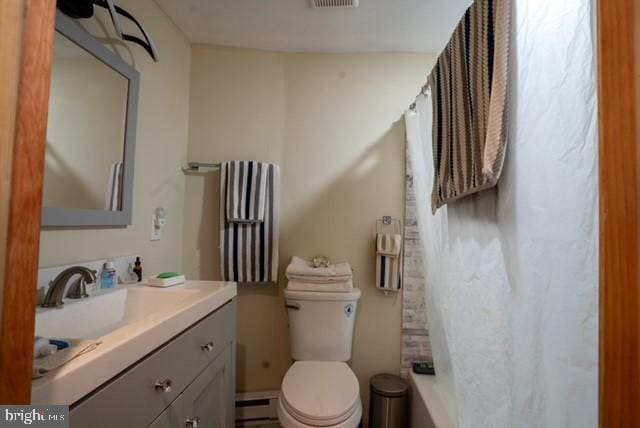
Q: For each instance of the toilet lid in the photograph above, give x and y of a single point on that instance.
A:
(320, 391)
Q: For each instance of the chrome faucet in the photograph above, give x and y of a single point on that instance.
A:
(77, 290)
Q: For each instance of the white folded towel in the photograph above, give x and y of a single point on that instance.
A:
(316, 286)
(303, 270)
(319, 279)
(389, 244)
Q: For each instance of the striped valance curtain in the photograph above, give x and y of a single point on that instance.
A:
(469, 91)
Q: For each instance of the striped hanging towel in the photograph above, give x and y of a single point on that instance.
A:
(246, 187)
(114, 190)
(249, 250)
(469, 92)
(388, 272)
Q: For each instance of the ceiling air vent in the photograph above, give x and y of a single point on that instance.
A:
(334, 3)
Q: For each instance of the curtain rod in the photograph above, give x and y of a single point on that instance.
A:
(426, 88)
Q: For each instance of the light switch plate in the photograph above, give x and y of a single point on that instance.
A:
(156, 232)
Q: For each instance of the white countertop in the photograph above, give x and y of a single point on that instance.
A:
(130, 342)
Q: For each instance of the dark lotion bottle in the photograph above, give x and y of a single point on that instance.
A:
(137, 268)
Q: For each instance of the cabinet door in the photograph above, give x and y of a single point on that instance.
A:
(210, 399)
(172, 417)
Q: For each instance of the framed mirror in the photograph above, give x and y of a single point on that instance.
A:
(91, 133)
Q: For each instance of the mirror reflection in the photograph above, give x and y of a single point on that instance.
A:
(86, 129)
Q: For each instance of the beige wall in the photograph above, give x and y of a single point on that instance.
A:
(332, 122)
(160, 152)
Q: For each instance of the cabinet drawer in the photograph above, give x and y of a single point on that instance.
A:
(208, 401)
(133, 400)
(211, 336)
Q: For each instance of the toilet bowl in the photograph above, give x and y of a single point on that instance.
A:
(320, 389)
(320, 394)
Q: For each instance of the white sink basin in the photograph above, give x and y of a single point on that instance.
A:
(129, 322)
(101, 314)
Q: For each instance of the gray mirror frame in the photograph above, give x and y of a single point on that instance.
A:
(80, 217)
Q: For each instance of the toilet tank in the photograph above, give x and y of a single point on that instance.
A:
(321, 324)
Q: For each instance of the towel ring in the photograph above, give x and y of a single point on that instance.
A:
(387, 221)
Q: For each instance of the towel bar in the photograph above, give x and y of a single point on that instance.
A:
(200, 167)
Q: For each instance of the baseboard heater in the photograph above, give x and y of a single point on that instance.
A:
(256, 408)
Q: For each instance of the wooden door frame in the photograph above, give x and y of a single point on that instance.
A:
(29, 24)
(27, 29)
(619, 306)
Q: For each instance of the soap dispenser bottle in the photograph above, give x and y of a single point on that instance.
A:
(108, 275)
(137, 268)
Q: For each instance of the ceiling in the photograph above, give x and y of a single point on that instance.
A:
(294, 26)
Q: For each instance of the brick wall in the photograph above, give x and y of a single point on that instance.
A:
(415, 333)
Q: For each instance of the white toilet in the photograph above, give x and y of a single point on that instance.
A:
(320, 389)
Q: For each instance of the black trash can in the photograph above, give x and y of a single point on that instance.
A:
(389, 402)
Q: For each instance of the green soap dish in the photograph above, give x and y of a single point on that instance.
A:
(165, 275)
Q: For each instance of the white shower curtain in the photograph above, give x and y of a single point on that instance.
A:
(512, 280)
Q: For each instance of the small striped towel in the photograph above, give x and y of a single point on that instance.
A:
(388, 267)
(114, 190)
(245, 189)
(249, 251)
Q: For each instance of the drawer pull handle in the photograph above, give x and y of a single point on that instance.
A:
(193, 422)
(293, 306)
(207, 347)
(164, 385)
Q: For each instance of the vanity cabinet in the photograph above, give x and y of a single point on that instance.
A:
(205, 403)
(187, 382)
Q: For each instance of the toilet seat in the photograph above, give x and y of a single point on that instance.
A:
(320, 393)
(286, 420)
